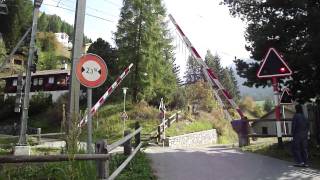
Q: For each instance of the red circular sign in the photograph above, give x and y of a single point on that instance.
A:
(91, 70)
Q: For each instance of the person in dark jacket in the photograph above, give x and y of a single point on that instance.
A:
(300, 129)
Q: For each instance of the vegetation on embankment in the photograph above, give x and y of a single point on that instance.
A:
(139, 168)
(271, 149)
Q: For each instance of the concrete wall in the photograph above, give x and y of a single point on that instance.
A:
(193, 139)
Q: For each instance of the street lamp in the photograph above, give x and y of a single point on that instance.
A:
(37, 3)
(124, 115)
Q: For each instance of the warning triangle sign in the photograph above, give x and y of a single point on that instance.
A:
(286, 97)
(273, 66)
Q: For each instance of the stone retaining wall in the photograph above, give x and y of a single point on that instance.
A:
(193, 139)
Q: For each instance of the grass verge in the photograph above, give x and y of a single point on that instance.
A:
(138, 169)
(271, 149)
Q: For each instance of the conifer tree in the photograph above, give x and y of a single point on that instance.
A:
(141, 38)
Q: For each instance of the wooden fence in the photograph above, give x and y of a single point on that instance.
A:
(165, 124)
(101, 156)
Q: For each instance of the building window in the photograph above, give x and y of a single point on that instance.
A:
(40, 81)
(264, 130)
(51, 80)
(14, 82)
(35, 81)
(61, 81)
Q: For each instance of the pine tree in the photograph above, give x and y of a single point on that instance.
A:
(14, 25)
(193, 71)
(141, 39)
(214, 63)
(43, 22)
(235, 92)
(109, 55)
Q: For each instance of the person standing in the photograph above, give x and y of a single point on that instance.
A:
(300, 129)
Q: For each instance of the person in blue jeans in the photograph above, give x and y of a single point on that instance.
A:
(300, 129)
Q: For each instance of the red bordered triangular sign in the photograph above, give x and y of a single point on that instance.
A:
(273, 66)
(286, 97)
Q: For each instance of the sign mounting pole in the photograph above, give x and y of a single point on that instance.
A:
(92, 72)
(277, 109)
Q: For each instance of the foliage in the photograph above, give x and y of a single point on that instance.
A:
(3, 51)
(179, 99)
(292, 27)
(201, 94)
(139, 167)
(268, 105)
(54, 24)
(185, 127)
(248, 104)
(193, 71)
(109, 55)
(225, 75)
(39, 103)
(13, 26)
(142, 38)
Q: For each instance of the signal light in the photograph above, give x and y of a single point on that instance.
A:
(282, 69)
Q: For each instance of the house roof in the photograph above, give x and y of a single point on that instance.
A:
(272, 111)
(45, 72)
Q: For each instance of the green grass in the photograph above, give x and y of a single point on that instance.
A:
(185, 127)
(271, 149)
(138, 169)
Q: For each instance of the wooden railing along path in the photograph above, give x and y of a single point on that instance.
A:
(101, 156)
(166, 123)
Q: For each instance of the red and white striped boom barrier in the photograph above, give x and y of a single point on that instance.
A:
(95, 108)
(209, 74)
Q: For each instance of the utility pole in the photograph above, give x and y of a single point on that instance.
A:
(76, 54)
(24, 117)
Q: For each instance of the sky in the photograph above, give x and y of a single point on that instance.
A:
(207, 24)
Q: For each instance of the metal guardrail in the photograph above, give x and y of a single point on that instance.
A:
(101, 156)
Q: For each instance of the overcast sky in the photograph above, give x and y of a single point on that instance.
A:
(207, 24)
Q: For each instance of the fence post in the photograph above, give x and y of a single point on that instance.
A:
(102, 166)
(127, 145)
(159, 134)
(39, 135)
(137, 136)
(169, 122)
(177, 117)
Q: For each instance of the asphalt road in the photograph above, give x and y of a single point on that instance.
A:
(222, 164)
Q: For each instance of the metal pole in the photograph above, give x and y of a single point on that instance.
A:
(24, 116)
(89, 105)
(284, 123)
(76, 54)
(277, 109)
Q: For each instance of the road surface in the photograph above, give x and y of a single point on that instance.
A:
(214, 163)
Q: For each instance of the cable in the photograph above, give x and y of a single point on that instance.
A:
(110, 2)
(91, 15)
(94, 9)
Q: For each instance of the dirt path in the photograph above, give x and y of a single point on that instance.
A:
(222, 164)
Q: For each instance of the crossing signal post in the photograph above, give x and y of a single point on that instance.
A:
(274, 67)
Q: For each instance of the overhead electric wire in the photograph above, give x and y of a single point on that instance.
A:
(71, 10)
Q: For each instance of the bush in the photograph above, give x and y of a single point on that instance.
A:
(179, 99)
(201, 93)
(39, 103)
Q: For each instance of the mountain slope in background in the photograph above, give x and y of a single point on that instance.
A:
(257, 93)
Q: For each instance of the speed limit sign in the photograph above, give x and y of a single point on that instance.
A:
(91, 70)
